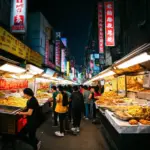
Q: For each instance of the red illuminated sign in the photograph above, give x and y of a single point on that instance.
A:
(57, 53)
(109, 24)
(100, 28)
(18, 16)
(47, 53)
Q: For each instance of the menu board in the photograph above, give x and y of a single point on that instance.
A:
(122, 85)
(114, 85)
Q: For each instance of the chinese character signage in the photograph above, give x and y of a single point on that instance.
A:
(63, 60)
(68, 68)
(109, 24)
(100, 28)
(57, 53)
(47, 56)
(18, 16)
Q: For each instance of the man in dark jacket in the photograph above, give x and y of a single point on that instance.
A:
(77, 108)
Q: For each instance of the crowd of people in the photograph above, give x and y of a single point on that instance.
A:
(80, 102)
(69, 105)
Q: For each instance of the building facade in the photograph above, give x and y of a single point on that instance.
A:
(5, 6)
(135, 22)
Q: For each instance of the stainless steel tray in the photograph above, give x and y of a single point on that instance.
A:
(9, 109)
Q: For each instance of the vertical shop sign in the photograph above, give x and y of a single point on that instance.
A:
(47, 56)
(18, 16)
(109, 24)
(46, 52)
(57, 53)
(68, 68)
(100, 28)
(63, 60)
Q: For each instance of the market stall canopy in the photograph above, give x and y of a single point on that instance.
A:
(136, 61)
(48, 73)
(106, 73)
(12, 68)
(33, 69)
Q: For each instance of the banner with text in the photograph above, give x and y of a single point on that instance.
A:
(63, 60)
(100, 28)
(57, 53)
(109, 24)
(18, 16)
(47, 56)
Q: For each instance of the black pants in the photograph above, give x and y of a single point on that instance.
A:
(55, 118)
(61, 121)
(70, 113)
(94, 111)
(31, 138)
(76, 112)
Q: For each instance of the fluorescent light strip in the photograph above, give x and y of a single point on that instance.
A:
(135, 60)
(12, 68)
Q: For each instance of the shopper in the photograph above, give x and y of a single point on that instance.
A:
(61, 109)
(81, 89)
(67, 90)
(96, 97)
(32, 113)
(86, 94)
(92, 100)
(77, 108)
(53, 99)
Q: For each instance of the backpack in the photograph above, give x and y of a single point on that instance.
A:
(65, 101)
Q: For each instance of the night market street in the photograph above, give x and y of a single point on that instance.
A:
(90, 138)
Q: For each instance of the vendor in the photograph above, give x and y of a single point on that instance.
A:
(31, 113)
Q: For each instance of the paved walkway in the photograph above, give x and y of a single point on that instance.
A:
(90, 138)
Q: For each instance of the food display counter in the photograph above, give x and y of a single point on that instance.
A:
(11, 96)
(125, 111)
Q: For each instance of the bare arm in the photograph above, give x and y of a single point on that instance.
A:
(58, 98)
(90, 96)
(28, 113)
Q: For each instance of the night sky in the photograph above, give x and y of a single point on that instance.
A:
(72, 17)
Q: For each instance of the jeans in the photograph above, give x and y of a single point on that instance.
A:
(70, 112)
(61, 121)
(76, 117)
(55, 118)
(87, 110)
(93, 109)
(31, 138)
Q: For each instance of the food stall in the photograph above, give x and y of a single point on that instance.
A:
(11, 100)
(13, 79)
(125, 111)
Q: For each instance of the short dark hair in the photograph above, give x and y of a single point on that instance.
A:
(85, 87)
(60, 88)
(96, 89)
(54, 88)
(28, 92)
(75, 88)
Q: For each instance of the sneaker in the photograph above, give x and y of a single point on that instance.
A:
(59, 134)
(39, 145)
(73, 129)
(78, 129)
